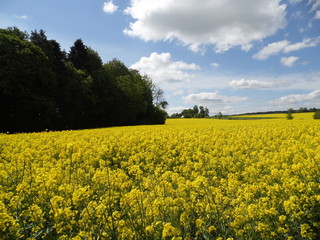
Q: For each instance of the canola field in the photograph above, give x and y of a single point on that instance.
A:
(187, 179)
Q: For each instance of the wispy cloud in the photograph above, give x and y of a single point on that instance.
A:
(271, 49)
(288, 61)
(215, 65)
(285, 47)
(179, 92)
(23, 17)
(315, 4)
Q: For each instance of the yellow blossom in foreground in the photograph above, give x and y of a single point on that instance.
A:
(187, 179)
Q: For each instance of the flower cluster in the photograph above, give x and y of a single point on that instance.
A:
(188, 179)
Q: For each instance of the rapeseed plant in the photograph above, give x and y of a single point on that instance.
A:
(188, 179)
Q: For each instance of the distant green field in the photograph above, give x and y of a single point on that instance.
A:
(297, 116)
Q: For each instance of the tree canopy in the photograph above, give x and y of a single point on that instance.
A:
(43, 87)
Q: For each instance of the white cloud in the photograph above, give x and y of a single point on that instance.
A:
(109, 7)
(307, 42)
(224, 24)
(271, 49)
(215, 65)
(23, 17)
(161, 68)
(313, 96)
(315, 4)
(271, 81)
(285, 47)
(301, 81)
(179, 92)
(172, 110)
(211, 98)
(317, 16)
(253, 84)
(288, 61)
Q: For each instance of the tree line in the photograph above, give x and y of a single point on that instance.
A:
(195, 112)
(316, 114)
(300, 110)
(44, 87)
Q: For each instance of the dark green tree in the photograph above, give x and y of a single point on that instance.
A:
(302, 110)
(57, 60)
(52, 50)
(316, 114)
(195, 112)
(219, 115)
(116, 68)
(176, 115)
(188, 113)
(195, 109)
(78, 54)
(289, 115)
(93, 62)
(42, 87)
(140, 105)
(15, 32)
(26, 82)
(84, 58)
(203, 113)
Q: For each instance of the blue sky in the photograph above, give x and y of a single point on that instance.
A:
(230, 56)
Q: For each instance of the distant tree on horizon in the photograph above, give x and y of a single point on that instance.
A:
(195, 112)
(316, 114)
(289, 115)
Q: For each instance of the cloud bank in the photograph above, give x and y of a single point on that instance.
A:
(223, 24)
(211, 98)
(313, 96)
(253, 84)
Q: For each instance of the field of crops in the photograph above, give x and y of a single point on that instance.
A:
(187, 179)
(298, 116)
